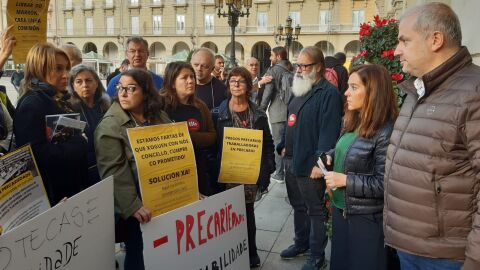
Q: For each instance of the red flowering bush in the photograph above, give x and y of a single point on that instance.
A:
(378, 40)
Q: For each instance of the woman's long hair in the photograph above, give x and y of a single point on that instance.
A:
(379, 106)
(41, 59)
(168, 91)
(100, 96)
(151, 101)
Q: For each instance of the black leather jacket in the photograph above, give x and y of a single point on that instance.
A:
(364, 166)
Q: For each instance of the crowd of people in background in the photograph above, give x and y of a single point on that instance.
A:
(404, 184)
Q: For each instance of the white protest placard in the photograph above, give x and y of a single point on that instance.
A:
(22, 194)
(209, 234)
(76, 234)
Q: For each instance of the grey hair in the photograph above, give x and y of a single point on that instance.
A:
(74, 49)
(209, 52)
(136, 39)
(436, 16)
(100, 93)
(316, 55)
(250, 60)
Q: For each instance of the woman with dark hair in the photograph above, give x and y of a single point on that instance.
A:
(136, 104)
(89, 99)
(62, 164)
(181, 104)
(239, 112)
(358, 170)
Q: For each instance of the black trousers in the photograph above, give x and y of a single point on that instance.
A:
(357, 242)
(252, 230)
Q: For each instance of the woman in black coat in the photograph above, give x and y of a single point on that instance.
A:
(237, 111)
(62, 164)
(359, 165)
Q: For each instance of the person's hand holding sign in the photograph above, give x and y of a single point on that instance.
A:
(8, 42)
(143, 215)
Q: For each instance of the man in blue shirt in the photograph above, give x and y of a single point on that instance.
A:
(137, 54)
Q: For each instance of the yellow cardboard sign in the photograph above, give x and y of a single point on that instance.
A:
(29, 20)
(166, 166)
(241, 156)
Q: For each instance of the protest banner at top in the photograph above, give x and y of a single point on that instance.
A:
(241, 156)
(22, 194)
(209, 234)
(29, 20)
(73, 235)
(166, 166)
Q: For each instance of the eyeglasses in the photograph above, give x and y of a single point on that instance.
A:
(129, 88)
(233, 82)
(133, 52)
(302, 66)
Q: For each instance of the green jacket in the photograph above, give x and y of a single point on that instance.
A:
(115, 157)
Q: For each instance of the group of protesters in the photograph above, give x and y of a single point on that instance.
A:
(404, 185)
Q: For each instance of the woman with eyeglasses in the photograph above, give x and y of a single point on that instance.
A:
(358, 170)
(62, 164)
(181, 104)
(239, 112)
(136, 104)
(89, 99)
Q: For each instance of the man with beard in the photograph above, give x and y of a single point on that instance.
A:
(313, 126)
(210, 90)
(137, 55)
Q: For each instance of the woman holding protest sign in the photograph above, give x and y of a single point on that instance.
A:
(358, 170)
(136, 104)
(62, 164)
(181, 104)
(89, 99)
(239, 112)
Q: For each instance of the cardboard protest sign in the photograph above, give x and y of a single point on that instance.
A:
(209, 234)
(74, 235)
(22, 194)
(29, 20)
(166, 166)
(241, 156)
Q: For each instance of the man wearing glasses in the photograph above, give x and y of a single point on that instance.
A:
(137, 55)
(277, 107)
(313, 126)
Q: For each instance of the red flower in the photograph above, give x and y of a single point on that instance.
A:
(364, 30)
(397, 76)
(378, 22)
(363, 53)
(389, 54)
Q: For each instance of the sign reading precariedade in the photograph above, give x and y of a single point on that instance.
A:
(209, 234)
(241, 156)
(76, 234)
(22, 194)
(29, 20)
(166, 166)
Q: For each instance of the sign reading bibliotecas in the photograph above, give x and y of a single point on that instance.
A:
(73, 235)
(166, 166)
(29, 21)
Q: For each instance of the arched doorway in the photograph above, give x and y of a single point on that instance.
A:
(239, 52)
(157, 50)
(212, 46)
(90, 47)
(180, 46)
(261, 50)
(110, 51)
(352, 48)
(326, 47)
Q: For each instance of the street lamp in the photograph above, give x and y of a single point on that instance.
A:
(233, 12)
(289, 35)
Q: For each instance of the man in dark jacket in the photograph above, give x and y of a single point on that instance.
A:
(17, 77)
(432, 177)
(277, 108)
(314, 120)
(123, 66)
